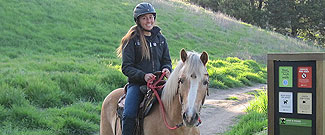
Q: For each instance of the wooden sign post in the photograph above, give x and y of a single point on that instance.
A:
(296, 93)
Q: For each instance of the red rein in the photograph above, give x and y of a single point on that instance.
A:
(154, 87)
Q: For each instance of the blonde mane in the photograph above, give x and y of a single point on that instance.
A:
(171, 85)
(192, 64)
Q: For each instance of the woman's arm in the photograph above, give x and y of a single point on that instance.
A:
(128, 62)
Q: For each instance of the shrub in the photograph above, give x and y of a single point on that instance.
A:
(244, 80)
(67, 66)
(9, 129)
(43, 92)
(79, 86)
(254, 77)
(218, 63)
(17, 80)
(88, 88)
(81, 115)
(3, 113)
(83, 110)
(263, 73)
(233, 60)
(218, 84)
(75, 126)
(234, 73)
(27, 116)
(252, 65)
(259, 104)
(10, 96)
(113, 76)
(231, 82)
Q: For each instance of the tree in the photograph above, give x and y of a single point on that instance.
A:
(312, 18)
(297, 18)
(304, 19)
(249, 11)
(282, 16)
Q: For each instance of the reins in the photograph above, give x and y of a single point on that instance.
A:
(154, 87)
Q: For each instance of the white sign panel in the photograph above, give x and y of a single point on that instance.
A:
(285, 102)
(304, 103)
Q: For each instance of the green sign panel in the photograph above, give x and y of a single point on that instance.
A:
(295, 122)
(290, 126)
(285, 76)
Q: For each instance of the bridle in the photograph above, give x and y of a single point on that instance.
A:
(153, 86)
(180, 97)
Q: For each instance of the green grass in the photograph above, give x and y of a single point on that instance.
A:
(232, 98)
(255, 121)
(94, 29)
(48, 95)
(58, 61)
(233, 72)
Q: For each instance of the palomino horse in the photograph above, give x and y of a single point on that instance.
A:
(183, 96)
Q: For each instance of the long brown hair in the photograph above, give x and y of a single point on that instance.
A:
(134, 30)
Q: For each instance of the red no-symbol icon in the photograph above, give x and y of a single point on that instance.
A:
(304, 75)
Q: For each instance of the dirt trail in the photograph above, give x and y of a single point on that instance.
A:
(218, 114)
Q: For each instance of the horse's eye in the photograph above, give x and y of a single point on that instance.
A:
(205, 82)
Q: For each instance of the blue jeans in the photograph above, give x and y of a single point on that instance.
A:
(131, 107)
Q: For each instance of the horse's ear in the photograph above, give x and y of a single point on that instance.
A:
(183, 55)
(204, 58)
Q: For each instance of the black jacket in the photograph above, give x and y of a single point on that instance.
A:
(135, 67)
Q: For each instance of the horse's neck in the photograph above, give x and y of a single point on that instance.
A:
(175, 112)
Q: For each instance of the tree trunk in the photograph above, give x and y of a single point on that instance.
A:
(260, 4)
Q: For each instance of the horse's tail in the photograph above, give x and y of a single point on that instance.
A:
(109, 122)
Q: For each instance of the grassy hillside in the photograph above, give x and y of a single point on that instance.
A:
(58, 62)
(94, 28)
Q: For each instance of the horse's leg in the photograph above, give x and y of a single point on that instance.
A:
(108, 114)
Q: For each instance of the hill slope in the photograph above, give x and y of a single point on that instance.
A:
(94, 29)
(58, 62)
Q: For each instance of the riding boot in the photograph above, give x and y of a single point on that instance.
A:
(128, 126)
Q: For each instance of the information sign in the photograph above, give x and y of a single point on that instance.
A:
(285, 76)
(304, 103)
(285, 102)
(293, 126)
(304, 77)
(295, 122)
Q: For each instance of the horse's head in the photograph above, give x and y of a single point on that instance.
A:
(193, 80)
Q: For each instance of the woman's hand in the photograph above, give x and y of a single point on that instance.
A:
(165, 70)
(148, 76)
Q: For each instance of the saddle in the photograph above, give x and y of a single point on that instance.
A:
(147, 103)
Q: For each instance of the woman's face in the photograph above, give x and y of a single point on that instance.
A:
(147, 21)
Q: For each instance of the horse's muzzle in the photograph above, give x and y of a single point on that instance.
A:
(190, 120)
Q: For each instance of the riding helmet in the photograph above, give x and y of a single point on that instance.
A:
(143, 8)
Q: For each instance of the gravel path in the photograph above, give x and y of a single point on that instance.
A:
(218, 114)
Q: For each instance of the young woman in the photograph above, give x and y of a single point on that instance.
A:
(144, 50)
